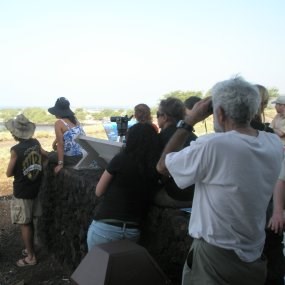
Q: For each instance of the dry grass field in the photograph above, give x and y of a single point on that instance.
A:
(96, 130)
(45, 138)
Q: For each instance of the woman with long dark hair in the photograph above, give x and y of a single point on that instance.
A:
(125, 188)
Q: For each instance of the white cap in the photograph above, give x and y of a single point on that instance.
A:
(279, 100)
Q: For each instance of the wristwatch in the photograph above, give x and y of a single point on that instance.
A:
(182, 125)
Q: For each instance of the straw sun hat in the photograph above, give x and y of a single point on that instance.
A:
(21, 127)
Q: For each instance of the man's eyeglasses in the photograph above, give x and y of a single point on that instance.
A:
(158, 114)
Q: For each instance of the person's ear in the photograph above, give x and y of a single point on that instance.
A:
(221, 116)
(165, 118)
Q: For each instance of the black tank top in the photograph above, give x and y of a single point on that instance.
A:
(28, 169)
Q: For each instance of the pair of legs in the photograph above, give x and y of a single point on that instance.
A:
(208, 264)
(24, 213)
(27, 231)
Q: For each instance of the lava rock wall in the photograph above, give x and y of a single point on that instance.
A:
(68, 201)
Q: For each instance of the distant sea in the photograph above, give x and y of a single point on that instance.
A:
(44, 127)
(39, 127)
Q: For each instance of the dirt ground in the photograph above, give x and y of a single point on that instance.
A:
(48, 271)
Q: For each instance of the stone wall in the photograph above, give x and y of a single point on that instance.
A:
(68, 203)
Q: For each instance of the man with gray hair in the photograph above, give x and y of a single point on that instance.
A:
(234, 171)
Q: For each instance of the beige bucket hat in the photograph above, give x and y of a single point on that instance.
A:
(21, 127)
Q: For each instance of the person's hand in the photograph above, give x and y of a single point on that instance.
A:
(276, 222)
(200, 111)
(58, 168)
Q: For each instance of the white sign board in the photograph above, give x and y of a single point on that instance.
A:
(98, 150)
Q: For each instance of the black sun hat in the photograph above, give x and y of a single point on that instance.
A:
(61, 108)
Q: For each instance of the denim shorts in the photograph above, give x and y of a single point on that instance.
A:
(100, 232)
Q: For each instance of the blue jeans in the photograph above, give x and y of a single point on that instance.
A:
(100, 232)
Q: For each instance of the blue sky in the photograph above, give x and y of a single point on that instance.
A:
(127, 52)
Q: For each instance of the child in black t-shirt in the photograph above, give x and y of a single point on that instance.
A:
(26, 166)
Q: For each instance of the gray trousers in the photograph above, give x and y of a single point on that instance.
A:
(211, 265)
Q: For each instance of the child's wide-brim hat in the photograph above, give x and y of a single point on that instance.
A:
(61, 108)
(279, 100)
(21, 127)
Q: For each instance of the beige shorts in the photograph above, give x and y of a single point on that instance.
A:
(24, 210)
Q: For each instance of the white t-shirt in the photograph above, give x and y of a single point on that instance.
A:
(282, 172)
(234, 176)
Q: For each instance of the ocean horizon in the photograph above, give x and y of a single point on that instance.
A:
(92, 108)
